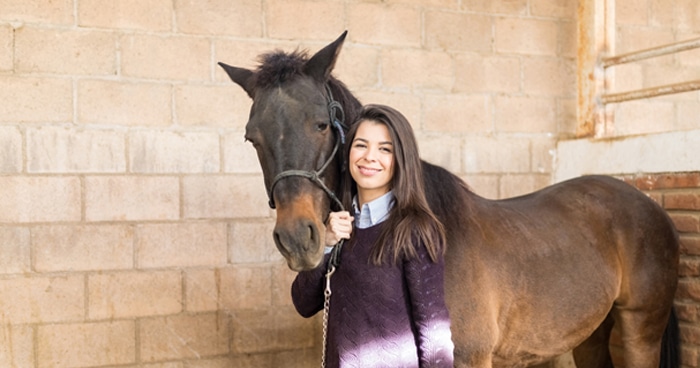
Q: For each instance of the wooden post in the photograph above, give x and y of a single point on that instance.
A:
(596, 26)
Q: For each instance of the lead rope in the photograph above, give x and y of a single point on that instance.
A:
(333, 263)
(334, 260)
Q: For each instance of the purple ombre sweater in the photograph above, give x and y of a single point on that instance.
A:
(380, 316)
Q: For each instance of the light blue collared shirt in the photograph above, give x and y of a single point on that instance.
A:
(373, 212)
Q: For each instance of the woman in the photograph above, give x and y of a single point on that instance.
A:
(387, 307)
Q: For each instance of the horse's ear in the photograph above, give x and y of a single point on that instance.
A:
(241, 76)
(321, 64)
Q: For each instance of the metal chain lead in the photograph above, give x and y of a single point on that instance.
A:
(326, 310)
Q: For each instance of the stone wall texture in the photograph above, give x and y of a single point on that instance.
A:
(134, 227)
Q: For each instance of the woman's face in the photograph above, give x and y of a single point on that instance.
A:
(371, 160)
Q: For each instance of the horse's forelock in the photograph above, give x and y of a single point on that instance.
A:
(278, 67)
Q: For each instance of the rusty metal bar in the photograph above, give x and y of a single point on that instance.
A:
(651, 92)
(651, 52)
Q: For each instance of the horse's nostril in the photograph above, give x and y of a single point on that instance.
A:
(280, 245)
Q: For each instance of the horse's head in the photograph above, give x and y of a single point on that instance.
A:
(295, 126)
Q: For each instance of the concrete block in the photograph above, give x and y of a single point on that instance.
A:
(271, 330)
(220, 17)
(496, 155)
(15, 255)
(211, 106)
(86, 344)
(455, 32)
(417, 69)
(282, 278)
(6, 47)
(131, 198)
(166, 57)
(644, 117)
(549, 77)
(485, 74)
(11, 142)
(245, 287)
(124, 103)
(42, 50)
(17, 346)
(252, 242)
(380, 24)
(554, 8)
(181, 245)
(134, 294)
(59, 248)
(511, 7)
(525, 114)
(184, 337)
(459, 113)
(173, 152)
(303, 19)
(358, 67)
(54, 149)
(201, 290)
(629, 12)
(240, 196)
(39, 199)
(526, 36)
(153, 15)
(35, 100)
(37, 11)
(26, 300)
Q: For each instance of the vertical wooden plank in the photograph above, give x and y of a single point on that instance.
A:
(596, 29)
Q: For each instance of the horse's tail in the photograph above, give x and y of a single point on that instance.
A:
(670, 345)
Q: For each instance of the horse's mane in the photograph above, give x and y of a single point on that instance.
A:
(278, 67)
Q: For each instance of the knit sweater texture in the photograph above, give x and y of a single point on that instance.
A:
(393, 315)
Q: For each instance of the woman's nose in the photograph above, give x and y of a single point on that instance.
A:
(370, 154)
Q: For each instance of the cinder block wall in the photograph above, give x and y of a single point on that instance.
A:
(134, 230)
(644, 24)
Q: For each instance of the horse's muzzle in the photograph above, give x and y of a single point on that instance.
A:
(300, 241)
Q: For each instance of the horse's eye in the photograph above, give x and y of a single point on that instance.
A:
(321, 127)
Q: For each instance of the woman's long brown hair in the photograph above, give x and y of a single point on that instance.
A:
(410, 218)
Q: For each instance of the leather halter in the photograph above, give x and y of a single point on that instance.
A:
(337, 116)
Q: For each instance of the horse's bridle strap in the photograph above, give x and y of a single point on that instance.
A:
(315, 176)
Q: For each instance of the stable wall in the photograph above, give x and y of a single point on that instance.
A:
(134, 229)
(134, 225)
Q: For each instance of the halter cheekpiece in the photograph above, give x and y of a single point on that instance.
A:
(337, 116)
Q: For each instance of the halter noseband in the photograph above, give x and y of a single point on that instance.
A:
(337, 116)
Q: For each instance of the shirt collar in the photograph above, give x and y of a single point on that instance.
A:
(373, 212)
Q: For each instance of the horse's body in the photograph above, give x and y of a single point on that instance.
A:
(527, 278)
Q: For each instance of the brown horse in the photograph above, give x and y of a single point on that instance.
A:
(527, 278)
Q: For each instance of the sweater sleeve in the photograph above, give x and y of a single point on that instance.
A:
(425, 281)
(307, 290)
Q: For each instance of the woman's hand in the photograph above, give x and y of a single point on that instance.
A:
(339, 226)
